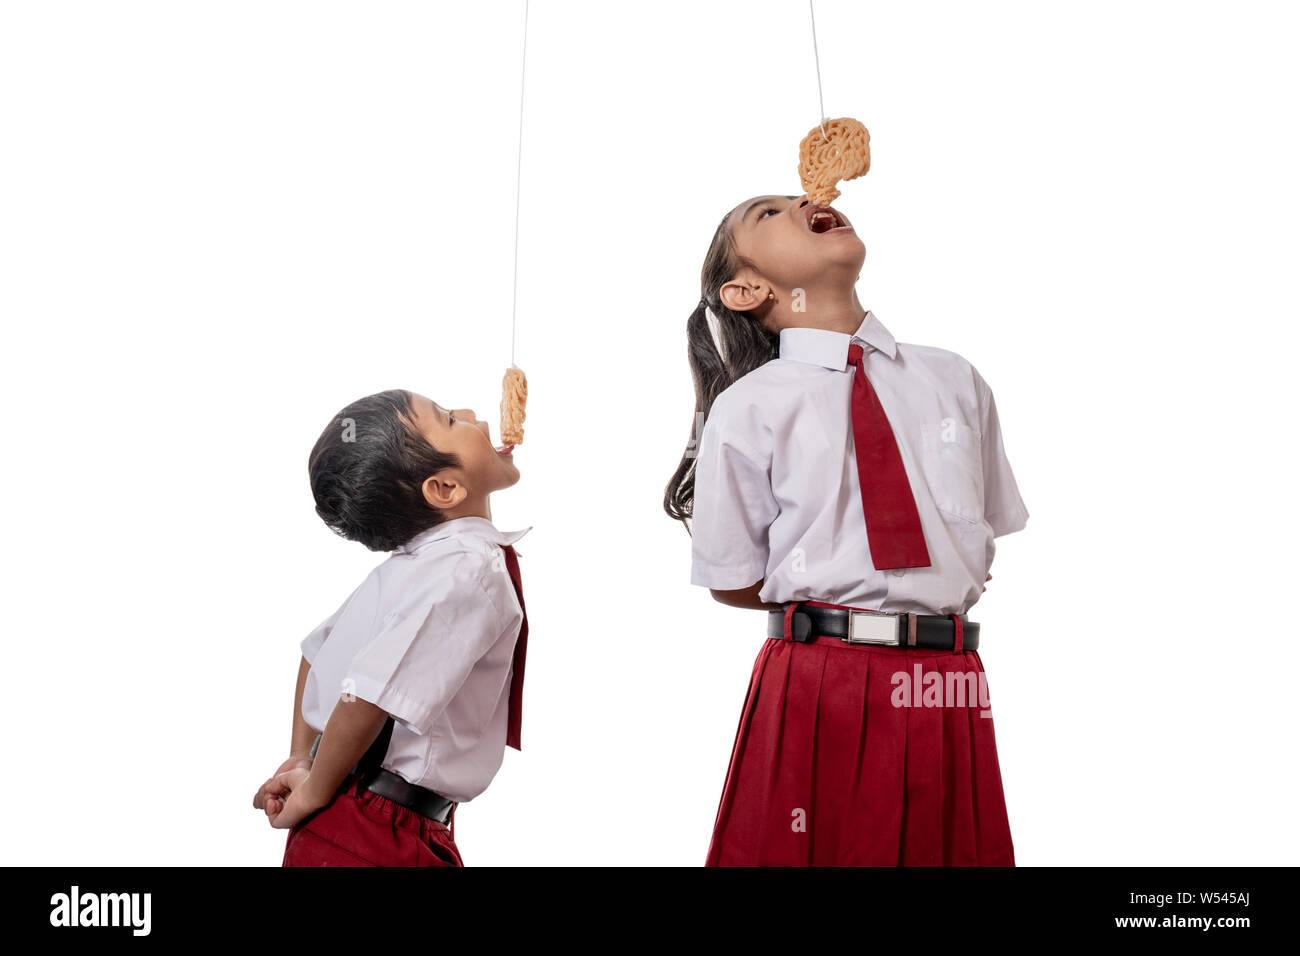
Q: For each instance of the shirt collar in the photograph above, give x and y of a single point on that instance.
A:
(470, 524)
(831, 349)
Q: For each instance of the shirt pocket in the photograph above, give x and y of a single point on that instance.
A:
(953, 468)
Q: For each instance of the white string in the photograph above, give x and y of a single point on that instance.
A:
(821, 107)
(518, 171)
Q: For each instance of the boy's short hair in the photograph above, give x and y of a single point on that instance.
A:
(367, 471)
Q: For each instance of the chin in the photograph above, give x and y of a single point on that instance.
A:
(850, 249)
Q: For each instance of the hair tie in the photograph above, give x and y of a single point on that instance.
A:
(715, 333)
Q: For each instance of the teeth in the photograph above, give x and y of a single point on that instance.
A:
(823, 221)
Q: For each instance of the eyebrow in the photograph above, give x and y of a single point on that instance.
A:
(758, 202)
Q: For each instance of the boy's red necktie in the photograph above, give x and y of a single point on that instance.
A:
(521, 646)
(893, 526)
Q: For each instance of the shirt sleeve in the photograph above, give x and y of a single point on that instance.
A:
(425, 648)
(733, 504)
(313, 641)
(1003, 508)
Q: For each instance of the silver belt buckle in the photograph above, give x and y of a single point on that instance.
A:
(874, 627)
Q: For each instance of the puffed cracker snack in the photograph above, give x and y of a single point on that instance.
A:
(843, 153)
(514, 395)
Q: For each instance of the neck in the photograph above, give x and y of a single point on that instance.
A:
(834, 309)
(476, 508)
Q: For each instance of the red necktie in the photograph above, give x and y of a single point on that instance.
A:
(893, 526)
(521, 646)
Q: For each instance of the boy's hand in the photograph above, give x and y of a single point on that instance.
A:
(293, 763)
(289, 799)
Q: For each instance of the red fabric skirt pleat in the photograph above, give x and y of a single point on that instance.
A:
(828, 770)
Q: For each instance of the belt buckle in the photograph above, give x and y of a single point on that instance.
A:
(874, 627)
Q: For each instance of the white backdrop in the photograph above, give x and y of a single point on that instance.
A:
(221, 222)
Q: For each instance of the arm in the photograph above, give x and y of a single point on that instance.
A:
(304, 735)
(295, 794)
(733, 508)
(745, 597)
(352, 728)
(1004, 509)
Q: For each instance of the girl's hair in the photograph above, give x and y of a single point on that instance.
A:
(368, 469)
(745, 343)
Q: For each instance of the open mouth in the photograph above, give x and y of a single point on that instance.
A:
(823, 219)
(505, 449)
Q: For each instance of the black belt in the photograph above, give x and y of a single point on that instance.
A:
(387, 784)
(887, 628)
(420, 799)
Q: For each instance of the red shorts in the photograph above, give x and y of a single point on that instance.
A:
(830, 768)
(361, 828)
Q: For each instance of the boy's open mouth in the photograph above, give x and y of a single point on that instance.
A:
(823, 219)
(504, 449)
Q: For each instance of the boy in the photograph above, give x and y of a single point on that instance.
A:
(408, 694)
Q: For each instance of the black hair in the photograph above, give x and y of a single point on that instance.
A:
(367, 470)
(746, 345)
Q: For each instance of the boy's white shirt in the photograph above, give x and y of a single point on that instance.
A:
(428, 636)
(776, 481)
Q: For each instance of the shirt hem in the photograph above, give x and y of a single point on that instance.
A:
(1007, 522)
(726, 579)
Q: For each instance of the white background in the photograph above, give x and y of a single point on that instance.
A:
(220, 222)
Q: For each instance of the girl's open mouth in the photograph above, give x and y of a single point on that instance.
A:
(822, 219)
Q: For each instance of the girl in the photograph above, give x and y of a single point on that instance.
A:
(852, 486)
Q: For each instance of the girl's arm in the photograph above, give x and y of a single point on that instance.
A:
(745, 597)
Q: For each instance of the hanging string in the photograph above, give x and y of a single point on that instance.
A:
(518, 170)
(821, 107)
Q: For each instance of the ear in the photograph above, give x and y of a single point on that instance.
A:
(743, 293)
(444, 490)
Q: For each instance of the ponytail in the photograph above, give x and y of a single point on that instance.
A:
(742, 344)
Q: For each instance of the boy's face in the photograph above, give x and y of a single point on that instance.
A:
(458, 431)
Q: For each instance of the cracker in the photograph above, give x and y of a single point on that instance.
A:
(514, 394)
(843, 153)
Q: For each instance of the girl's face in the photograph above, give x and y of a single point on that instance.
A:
(794, 247)
(458, 431)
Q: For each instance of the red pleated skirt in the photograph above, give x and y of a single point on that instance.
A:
(361, 828)
(828, 769)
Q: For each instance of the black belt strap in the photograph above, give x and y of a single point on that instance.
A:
(422, 800)
(371, 775)
(378, 750)
(934, 631)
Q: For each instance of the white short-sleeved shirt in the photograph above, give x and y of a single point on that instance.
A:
(776, 480)
(429, 636)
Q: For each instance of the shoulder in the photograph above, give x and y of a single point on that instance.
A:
(745, 405)
(945, 365)
(734, 420)
(458, 576)
(932, 355)
(746, 390)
